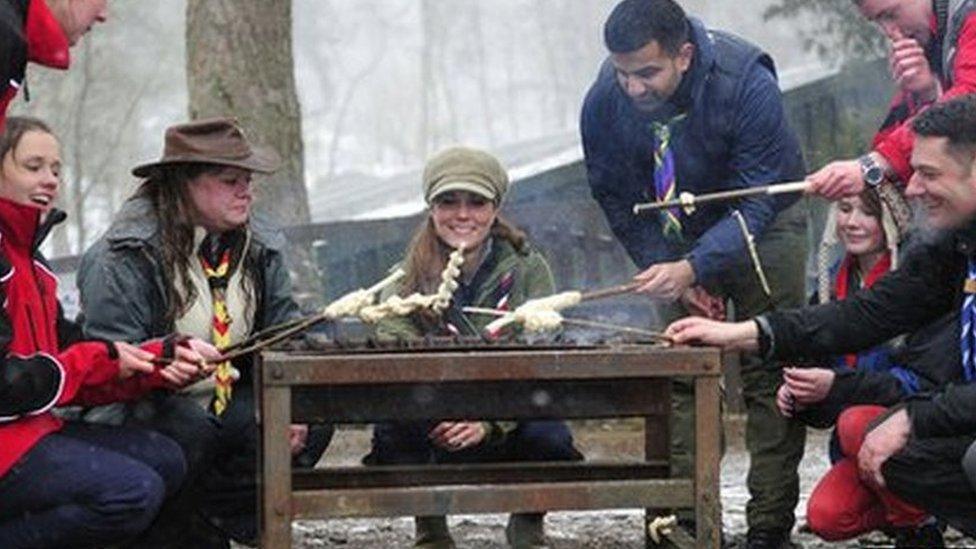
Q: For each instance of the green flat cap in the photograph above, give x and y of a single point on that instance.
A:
(465, 169)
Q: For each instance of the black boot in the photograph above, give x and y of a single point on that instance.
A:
(762, 538)
(927, 535)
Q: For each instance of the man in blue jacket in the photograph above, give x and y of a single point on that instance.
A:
(678, 108)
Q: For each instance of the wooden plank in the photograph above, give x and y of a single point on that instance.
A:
(419, 367)
(481, 401)
(708, 426)
(517, 498)
(274, 484)
(481, 473)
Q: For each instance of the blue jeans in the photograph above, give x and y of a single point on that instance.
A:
(87, 486)
(407, 442)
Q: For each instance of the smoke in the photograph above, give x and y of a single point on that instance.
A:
(922, 231)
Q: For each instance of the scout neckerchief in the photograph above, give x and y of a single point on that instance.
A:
(215, 257)
(848, 271)
(968, 320)
(665, 184)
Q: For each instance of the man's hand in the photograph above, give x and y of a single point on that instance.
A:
(133, 360)
(785, 401)
(837, 180)
(743, 336)
(882, 442)
(457, 435)
(297, 437)
(809, 385)
(666, 281)
(699, 302)
(911, 71)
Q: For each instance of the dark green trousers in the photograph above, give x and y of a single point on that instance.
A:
(775, 443)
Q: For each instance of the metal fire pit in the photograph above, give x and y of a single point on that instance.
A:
(457, 378)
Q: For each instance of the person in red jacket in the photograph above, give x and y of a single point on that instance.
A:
(932, 59)
(40, 31)
(68, 483)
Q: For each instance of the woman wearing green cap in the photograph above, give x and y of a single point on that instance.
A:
(464, 189)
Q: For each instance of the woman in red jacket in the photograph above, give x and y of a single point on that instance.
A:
(63, 483)
(40, 31)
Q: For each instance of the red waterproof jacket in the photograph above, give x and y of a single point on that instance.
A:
(895, 139)
(43, 361)
(28, 32)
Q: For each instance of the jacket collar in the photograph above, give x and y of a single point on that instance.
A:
(22, 225)
(46, 42)
(965, 239)
(693, 81)
(137, 224)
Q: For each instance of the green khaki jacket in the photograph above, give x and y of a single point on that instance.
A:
(509, 277)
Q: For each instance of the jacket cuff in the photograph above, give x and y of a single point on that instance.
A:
(921, 414)
(767, 339)
(103, 357)
(899, 164)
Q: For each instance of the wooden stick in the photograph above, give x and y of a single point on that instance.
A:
(690, 200)
(581, 322)
(612, 291)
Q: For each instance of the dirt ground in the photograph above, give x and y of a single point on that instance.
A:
(609, 529)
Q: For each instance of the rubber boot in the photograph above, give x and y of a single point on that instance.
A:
(524, 530)
(432, 533)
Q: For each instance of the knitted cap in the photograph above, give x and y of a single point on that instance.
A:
(465, 169)
(895, 223)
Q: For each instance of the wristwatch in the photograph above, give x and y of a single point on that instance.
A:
(872, 173)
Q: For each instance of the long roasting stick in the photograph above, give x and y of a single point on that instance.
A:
(545, 307)
(579, 322)
(688, 201)
(612, 291)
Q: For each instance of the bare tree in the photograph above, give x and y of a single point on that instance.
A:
(239, 63)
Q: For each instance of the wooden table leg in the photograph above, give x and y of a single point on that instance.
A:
(708, 426)
(274, 488)
(657, 446)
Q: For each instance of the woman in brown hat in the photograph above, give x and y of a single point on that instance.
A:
(185, 255)
(67, 483)
(464, 189)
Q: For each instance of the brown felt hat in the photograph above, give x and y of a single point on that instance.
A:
(218, 141)
(465, 169)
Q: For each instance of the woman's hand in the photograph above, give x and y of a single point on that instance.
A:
(133, 360)
(809, 385)
(204, 349)
(743, 336)
(457, 435)
(187, 367)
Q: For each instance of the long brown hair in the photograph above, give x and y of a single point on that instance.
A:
(427, 254)
(167, 188)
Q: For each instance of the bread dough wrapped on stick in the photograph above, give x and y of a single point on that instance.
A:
(352, 303)
(397, 306)
(539, 315)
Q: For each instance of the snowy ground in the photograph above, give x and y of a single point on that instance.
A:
(575, 530)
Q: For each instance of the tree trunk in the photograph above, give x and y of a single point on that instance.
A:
(239, 63)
